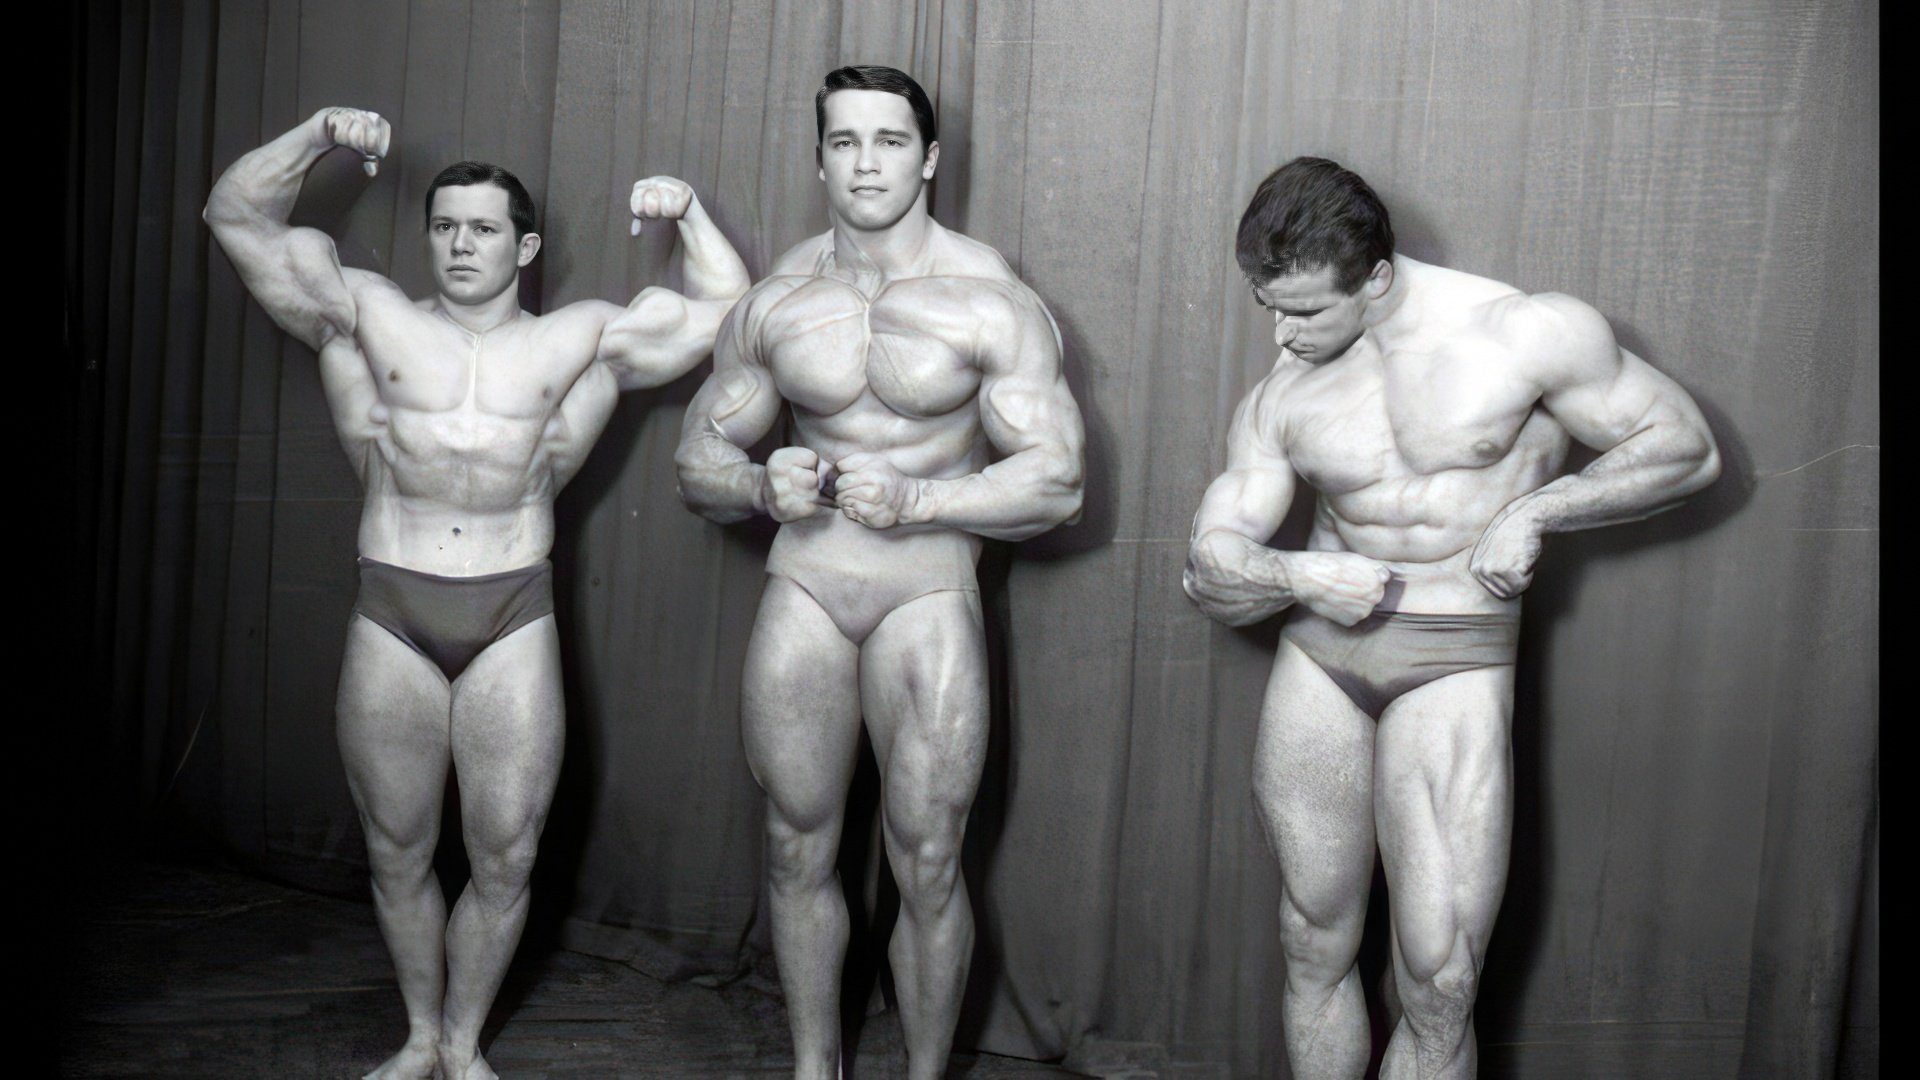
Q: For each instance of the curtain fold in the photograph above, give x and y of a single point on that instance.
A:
(1694, 880)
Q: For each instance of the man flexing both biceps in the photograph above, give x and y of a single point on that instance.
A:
(1432, 411)
(912, 357)
(464, 417)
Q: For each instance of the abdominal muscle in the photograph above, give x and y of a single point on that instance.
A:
(458, 495)
(1425, 529)
(938, 448)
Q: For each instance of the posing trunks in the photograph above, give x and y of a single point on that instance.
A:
(451, 620)
(859, 576)
(1389, 653)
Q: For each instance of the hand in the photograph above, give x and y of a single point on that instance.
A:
(1240, 582)
(661, 198)
(871, 491)
(361, 131)
(1503, 559)
(792, 484)
(1339, 585)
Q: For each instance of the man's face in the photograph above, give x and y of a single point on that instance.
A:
(872, 158)
(1311, 316)
(470, 236)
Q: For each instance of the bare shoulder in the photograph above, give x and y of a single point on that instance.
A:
(962, 256)
(766, 293)
(1273, 397)
(367, 287)
(1559, 339)
(804, 257)
(983, 277)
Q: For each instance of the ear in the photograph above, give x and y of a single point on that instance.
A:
(529, 247)
(933, 159)
(1380, 280)
(819, 162)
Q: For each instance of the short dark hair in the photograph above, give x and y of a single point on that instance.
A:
(465, 173)
(875, 77)
(1311, 213)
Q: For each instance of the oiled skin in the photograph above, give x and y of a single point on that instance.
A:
(929, 410)
(1432, 412)
(463, 416)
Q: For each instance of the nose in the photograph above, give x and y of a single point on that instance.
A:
(866, 162)
(462, 240)
(1285, 328)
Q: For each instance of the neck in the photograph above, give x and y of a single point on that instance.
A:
(486, 315)
(1390, 302)
(892, 252)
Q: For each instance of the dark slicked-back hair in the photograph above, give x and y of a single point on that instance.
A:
(875, 77)
(1311, 213)
(464, 173)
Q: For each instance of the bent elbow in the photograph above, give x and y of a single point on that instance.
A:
(1706, 468)
(1068, 506)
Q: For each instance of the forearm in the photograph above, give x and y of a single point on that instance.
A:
(258, 191)
(1021, 496)
(717, 481)
(1262, 578)
(713, 269)
(1647, 473)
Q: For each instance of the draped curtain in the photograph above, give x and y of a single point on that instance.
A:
(1694, 880)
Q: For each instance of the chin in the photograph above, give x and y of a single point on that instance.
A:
(870, 218)
(470, 292)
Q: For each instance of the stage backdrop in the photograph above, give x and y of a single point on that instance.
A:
(1694, 869)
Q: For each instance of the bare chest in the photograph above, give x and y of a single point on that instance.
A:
(910, 348)
(1404, 415)
(444, 369)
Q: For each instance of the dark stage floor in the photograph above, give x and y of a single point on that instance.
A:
(204, 973)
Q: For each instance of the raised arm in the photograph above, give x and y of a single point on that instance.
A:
(1231, 572)
(1029, 417)
(294, 273)
(1655, 446)
(661, 335)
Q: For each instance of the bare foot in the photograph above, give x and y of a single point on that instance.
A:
(415, 1061)
(468, 1066)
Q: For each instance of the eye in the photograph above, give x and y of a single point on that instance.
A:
(441, 226)
(484, 229)
(842, 144)
(894, 142)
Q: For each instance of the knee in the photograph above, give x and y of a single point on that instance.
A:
(926, 867)
(800, 859)
(399, 860)
(1438, 993)
(501, 867)
(1320, 947)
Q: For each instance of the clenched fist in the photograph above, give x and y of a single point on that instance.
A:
(793, 483)
(871, 491)
(1503, 560)
(1340, 585)
(659, 198)
(359, 130)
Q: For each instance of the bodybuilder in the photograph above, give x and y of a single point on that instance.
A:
(464, 416)
(1432, 411)
(928, 411)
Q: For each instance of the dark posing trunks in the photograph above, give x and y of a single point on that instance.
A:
(451, 620)
(1389, 653)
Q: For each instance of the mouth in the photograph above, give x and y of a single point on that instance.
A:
(868, 190)
(462, 270)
